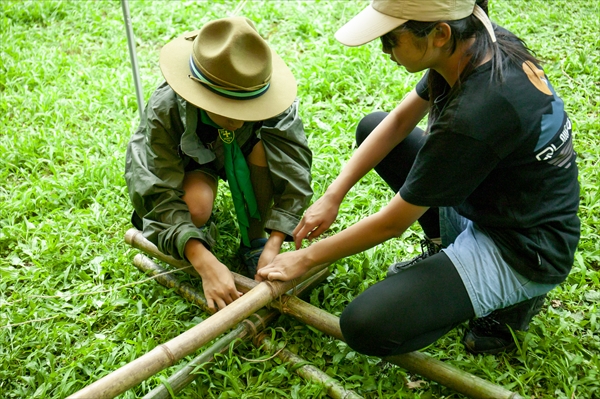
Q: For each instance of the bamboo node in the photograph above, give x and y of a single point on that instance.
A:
(169, 354)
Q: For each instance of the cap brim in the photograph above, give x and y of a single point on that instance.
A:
(366, 26)
(174, 65)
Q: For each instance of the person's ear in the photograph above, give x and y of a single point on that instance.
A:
(441, 34)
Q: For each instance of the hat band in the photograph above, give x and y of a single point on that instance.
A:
(198, 76)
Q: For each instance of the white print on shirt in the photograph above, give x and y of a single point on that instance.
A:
(551, 152)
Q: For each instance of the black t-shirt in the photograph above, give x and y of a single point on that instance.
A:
(501, 154)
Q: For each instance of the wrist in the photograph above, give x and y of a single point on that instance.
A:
(276, 239)
(308, 259)
(336, 192)
(198, 255)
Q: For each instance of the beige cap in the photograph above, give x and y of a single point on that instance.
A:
(382, 16)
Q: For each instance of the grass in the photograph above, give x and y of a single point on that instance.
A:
(72, 307)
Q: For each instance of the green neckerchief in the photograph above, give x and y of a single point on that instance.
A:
(238, 177)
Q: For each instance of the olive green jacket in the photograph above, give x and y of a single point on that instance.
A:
(166, 141)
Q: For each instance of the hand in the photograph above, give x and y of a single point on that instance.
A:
(285, 267)
(266, 257)
(218, 285)
(271, 249)
(217, 280)
(318, 217)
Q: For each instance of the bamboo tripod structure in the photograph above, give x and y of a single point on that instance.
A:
(244, 330)
(261, 295)
(169, 353)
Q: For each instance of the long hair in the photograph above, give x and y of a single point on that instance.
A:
(507, 49)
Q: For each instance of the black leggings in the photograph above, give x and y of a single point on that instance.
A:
(408, 310)
(420, 304)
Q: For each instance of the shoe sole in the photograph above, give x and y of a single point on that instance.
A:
(489, 351)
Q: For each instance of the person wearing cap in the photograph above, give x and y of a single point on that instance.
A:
(227, 110)
(492, 181)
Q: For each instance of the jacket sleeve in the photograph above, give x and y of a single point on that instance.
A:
(154, 174)
(289, 160)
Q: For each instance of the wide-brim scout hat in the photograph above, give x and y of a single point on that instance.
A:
(382, 16)
(228, 69)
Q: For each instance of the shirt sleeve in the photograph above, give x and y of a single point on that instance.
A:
(289, 159)
(154, 175)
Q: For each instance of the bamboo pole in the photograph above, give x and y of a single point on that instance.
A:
(415, 362)
(185, 376)
(243, 331)
(190, 293)
(310, 315)
(167, 354)
(290, 305)
(334, 389)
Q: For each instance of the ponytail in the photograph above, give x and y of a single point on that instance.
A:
(507, 49)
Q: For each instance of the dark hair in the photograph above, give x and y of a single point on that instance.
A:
(508, 48)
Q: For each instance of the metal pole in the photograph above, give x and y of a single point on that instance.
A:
(134, 64)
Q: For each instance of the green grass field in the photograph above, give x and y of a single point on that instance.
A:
(72, 306)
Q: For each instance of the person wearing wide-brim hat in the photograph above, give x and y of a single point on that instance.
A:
(227, 110)
(492, 181)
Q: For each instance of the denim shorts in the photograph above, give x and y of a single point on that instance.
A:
(491, 282)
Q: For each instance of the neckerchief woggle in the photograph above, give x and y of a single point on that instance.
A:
(238, 177)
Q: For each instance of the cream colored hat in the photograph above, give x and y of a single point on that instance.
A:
(228, 69)
(383, 16)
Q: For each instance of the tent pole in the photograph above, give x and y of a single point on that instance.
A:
(134, 64)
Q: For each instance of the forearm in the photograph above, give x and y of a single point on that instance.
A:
(389, 222)
(272, 248)
(217, 281)
(276, 239)
(199, 256)
(387, 135)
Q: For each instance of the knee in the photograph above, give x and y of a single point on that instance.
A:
(200, 214)
(258, 155)
(360, 328)
(200, 205)
(367, 124)
(199, 194)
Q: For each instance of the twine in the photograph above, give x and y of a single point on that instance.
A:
(259, 338)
